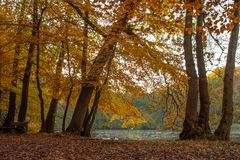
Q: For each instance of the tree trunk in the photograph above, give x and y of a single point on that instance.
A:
(50, 120)
(66, 109)
(11, 110)
(224, 128)
(203, 117)
(0, 93)
(71, 88)
(40, 92)
(91, 117)
(81, 109)
(28, 68)
(189, 125)
(85, 47)
(84, 58)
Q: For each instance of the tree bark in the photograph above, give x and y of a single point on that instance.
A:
(50, 120)
(85, 47)
(84, 57)
(224, 128)
(40, 92)
(76, 123)
(1, 92)
(203, 117)
(11, 110)
(66, 109)
(189, 125)
(28, 68)
(91, 117)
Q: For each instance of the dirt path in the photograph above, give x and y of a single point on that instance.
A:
(63, 147)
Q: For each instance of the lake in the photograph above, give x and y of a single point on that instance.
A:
(144, 135)
(135, 134)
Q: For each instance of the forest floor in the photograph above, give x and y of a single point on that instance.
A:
(64, 147)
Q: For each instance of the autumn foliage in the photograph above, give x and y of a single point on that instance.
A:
(103, 54)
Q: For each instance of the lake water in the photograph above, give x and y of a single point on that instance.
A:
(144, 135)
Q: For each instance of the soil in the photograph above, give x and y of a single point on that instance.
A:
(69, 147)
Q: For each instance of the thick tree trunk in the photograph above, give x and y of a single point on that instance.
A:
(224, 128)
(28, 68)
(50, 120)
(84, 58)
(11, 109)
(190, 122)
(76, 123)
(203, 117)
(91, 117)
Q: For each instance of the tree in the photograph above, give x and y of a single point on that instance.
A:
(95, 71)
(40, 91)
(223, 130)
(190, 122)
(28, 68)
(203, 117)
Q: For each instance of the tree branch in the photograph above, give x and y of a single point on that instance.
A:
(90, 23)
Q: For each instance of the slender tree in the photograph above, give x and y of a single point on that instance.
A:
(84, 56)
(190, 122)
(40, 91)
(28, 68)
(70, 90)
(203, 117)
(223, 130)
